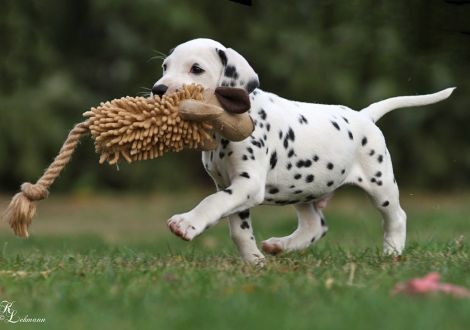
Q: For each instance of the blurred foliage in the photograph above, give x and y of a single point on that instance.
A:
(61, 57)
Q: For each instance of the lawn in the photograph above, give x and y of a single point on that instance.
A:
(109, 262)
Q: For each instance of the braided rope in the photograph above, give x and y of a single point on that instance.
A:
(22, 207)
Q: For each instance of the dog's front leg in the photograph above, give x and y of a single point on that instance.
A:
(241, 195)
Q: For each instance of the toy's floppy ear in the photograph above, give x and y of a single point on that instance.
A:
(233, 100)
(237, 72)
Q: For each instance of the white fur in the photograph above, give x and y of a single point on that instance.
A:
(299, 154)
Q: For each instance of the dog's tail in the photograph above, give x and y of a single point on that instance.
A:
(376, 110)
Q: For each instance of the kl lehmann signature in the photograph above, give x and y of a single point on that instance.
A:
(9, 315)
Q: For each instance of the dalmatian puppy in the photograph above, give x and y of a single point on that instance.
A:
(298, 154)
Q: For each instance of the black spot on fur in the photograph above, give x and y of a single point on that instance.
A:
(342, 171)
(230, 153)
(228, 191)
(245, 175)
(273, 191)
(221, 155)
(291, 134)
(316, 158)
(262, 114)
(378, 174)
(372, 152)
(364, 141)
(373, 180)
(323, 222)
(330, 183)
(300, 163)
(251, 85)
(280, 135)
(244, 214)
(359, 179)
(303, 120)
(297, 176)
(212, 155)
(310, 198)
(244, 157)
(222, 56)
(291, 153)
(256, 143)
(386, 203)
(380, 158)
(309, 178)
(250, 150)
(273, 160)
(268, 127)
(245, 225)
(224, 143)
(312, 240)
(286, 142)
(289, 166)
(330, 166)
(335, 124)
(231, 72)
(350, 135)
(297, 192)
(345, 120)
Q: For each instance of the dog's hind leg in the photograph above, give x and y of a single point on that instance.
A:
(311, 228)
(242, 236)
(394, 218)
(382, 190)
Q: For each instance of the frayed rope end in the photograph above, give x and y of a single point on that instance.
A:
(22, 208)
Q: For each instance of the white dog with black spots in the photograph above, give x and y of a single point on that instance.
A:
(298, 154)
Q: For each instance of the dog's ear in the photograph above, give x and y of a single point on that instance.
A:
(233, 100)
(237, 72)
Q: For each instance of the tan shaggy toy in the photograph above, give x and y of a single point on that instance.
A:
(133, 129)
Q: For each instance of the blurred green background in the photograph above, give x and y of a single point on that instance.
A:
(58, 58)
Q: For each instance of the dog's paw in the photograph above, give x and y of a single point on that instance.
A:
(272, 246)
(182, 227)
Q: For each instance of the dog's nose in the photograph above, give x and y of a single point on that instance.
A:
(159, 90)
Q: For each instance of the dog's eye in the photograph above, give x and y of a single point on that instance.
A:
(164, 67)
(196, 69)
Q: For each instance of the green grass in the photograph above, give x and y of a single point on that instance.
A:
(108, 262)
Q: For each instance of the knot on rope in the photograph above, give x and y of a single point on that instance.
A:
(34, 192)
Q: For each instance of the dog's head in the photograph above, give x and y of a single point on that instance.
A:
(205, 62)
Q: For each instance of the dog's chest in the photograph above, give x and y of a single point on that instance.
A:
(302, 152)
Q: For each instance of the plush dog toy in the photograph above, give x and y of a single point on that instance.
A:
(133, 129)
